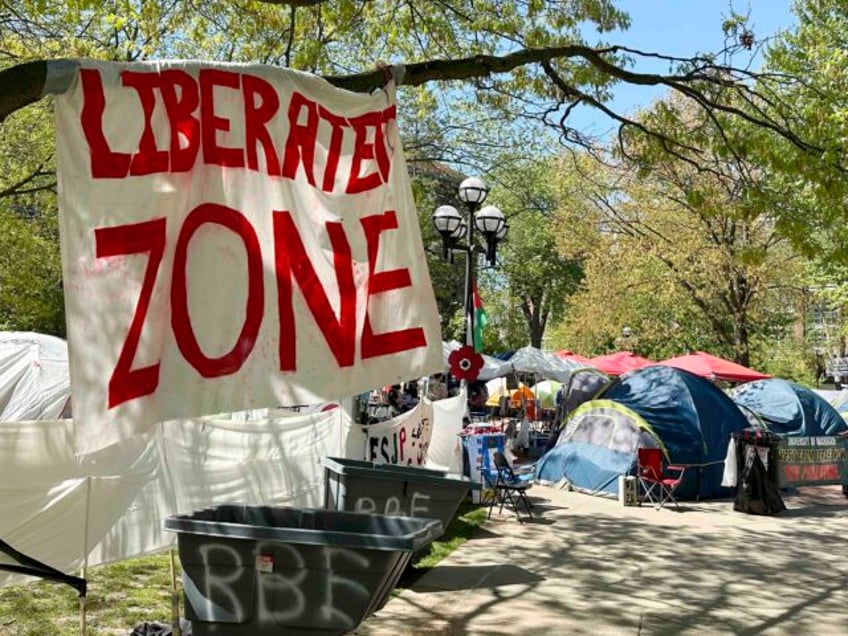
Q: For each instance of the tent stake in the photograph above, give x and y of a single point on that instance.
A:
(175, 599)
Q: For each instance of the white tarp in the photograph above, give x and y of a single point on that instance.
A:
(233, 237)
(445, 452)
(542, 364)
(34, 378)
(111, 504)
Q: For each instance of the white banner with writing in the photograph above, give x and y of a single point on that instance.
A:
(402, 440)
(233, 237)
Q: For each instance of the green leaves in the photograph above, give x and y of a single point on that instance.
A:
(30, 278)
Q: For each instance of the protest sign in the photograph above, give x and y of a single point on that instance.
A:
(233, 237)
(402, 440)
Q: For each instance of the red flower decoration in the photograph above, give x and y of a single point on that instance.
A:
(465, 363)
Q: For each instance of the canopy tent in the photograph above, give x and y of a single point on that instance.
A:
(497, 389)
(566, 354)
(34, 377)
(620, 362)
(714, 368)
(686, 416)
(790, 409)
(541, 364)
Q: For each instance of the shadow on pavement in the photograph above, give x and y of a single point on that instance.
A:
(469, 577)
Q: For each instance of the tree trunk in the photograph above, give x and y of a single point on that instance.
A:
(741, 344)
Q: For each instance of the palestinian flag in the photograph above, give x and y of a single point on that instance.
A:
(480, 320)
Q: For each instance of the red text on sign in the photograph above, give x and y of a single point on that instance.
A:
(286, 136)
(292, 265)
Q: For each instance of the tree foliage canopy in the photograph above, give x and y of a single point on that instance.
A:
(525, 59)
(681, 254)
(490, 83)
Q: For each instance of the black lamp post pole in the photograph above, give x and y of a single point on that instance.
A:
(469, 278)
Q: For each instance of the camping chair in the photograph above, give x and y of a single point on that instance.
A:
(657, 487)
(508, 488)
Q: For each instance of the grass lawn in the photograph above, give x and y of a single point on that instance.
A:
(122, 595)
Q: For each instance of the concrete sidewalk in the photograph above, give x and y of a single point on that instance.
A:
(587, 565)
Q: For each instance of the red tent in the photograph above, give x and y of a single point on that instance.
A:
(619, 363)
(714, 368)
(566, 354)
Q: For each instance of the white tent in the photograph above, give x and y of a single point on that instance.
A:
(34, 379)
(541, 364)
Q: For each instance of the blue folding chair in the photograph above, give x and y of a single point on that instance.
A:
(509, 488)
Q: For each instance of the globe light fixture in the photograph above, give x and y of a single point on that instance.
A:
(473, 190)
(489, 220)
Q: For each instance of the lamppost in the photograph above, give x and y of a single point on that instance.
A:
(454, 226)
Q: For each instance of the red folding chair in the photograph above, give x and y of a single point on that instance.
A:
(657, 487)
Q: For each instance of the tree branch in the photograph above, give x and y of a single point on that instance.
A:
(20, 86)
(16, 188)
(23, 84)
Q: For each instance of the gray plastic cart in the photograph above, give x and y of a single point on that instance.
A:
(260, 570)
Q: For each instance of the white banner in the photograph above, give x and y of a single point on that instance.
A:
(233, 237)
(445, 450)
(68, 510)
(402, 440)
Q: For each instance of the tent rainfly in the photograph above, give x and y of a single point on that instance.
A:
(620, 363)
(714, 368)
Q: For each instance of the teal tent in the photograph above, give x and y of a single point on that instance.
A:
(789, 409)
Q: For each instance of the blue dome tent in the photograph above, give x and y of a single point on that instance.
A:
(789, 409)
(686, 416)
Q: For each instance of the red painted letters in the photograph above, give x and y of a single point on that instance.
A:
(255, 120)
(315, 135)
(381, 344)
(105, 164)
(233, 360)
(292, 264)
(210, 123)
(300, 146)
(127, 383)
(183, 123)
(292, 261)
(149, 159)
(363, 151)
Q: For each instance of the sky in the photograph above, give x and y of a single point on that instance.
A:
(682, 28)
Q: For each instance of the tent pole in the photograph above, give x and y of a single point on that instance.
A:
(82, 613)
(175, 598)
(83, 624)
